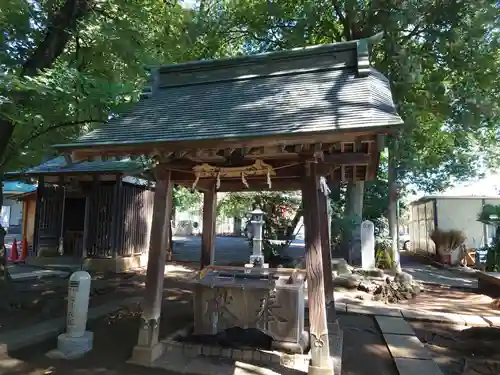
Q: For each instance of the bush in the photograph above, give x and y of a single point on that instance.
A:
(383, 258)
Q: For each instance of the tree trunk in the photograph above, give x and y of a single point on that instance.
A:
(351, 248)
(4, 272)
(392, 209)
(59, 30)
(335, 233)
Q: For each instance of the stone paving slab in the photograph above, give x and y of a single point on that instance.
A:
(37, 274)
(205, 365)
(340, 307)
(402, 346)
(395, 326)
(411, 366)
(433, 316)
(373, 310)
(474, 320)
(492, 320)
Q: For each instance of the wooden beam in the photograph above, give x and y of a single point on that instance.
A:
(228, 152)
(180, 154)
(381, 141)
(67, 159)
(347, 158)
(235, 185)
(208, 233)
(291, 139)
(371, 170)
(146, 349)
(320, 348)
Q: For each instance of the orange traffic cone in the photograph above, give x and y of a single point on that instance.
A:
(13, 252)
(24, 250)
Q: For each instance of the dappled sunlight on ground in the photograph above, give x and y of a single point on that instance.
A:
(364, 349)
(429, 274)
(460, 350)
(442, 299)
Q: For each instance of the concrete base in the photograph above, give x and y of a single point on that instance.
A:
(489, 283)
(118, 264)
(145, 356)
(292, 347)
(72, 347)
(327, 370)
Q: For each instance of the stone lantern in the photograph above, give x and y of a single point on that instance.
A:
(257, 257)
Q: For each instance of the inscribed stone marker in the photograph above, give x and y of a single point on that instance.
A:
(367, 245)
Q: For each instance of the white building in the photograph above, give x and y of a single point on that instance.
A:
(449, 213)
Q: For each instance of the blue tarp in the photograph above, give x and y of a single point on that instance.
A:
(17, 187)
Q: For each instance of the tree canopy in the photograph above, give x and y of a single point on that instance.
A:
(76, 62)
(68, 65)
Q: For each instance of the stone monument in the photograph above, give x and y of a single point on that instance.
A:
(257, 257)
(367, 245)
(76, 341)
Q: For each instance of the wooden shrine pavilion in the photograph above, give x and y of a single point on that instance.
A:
(96, 213)
(276, 121)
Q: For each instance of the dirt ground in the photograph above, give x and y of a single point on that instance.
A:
(453, 300)
(30, 302)
(116, 334)
(460, 350)
(436, 298)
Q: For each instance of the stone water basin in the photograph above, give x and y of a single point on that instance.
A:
(269, 300)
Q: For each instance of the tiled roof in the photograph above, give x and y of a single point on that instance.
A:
(59, 166)
(313, 93)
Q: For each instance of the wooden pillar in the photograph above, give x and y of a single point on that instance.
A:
(86, 228)
(38, 211)
(148, 348)
(208, 234)
(320, 348)
(117, 218)
(324, 223)
(170, 244)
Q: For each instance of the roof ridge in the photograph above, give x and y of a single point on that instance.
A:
(298, 52)
(254, 77)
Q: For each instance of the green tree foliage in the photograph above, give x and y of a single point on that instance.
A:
(490, 215)
(236, 204)
(282, 210)
(68, 65)
(442, 60)
(186, 200)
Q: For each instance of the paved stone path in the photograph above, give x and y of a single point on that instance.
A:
(425, 273)
(24, 272)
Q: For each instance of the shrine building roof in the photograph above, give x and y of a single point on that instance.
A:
(308, 91)
(59, 166)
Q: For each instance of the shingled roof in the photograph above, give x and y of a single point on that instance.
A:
(59, 166)
(318, 89)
